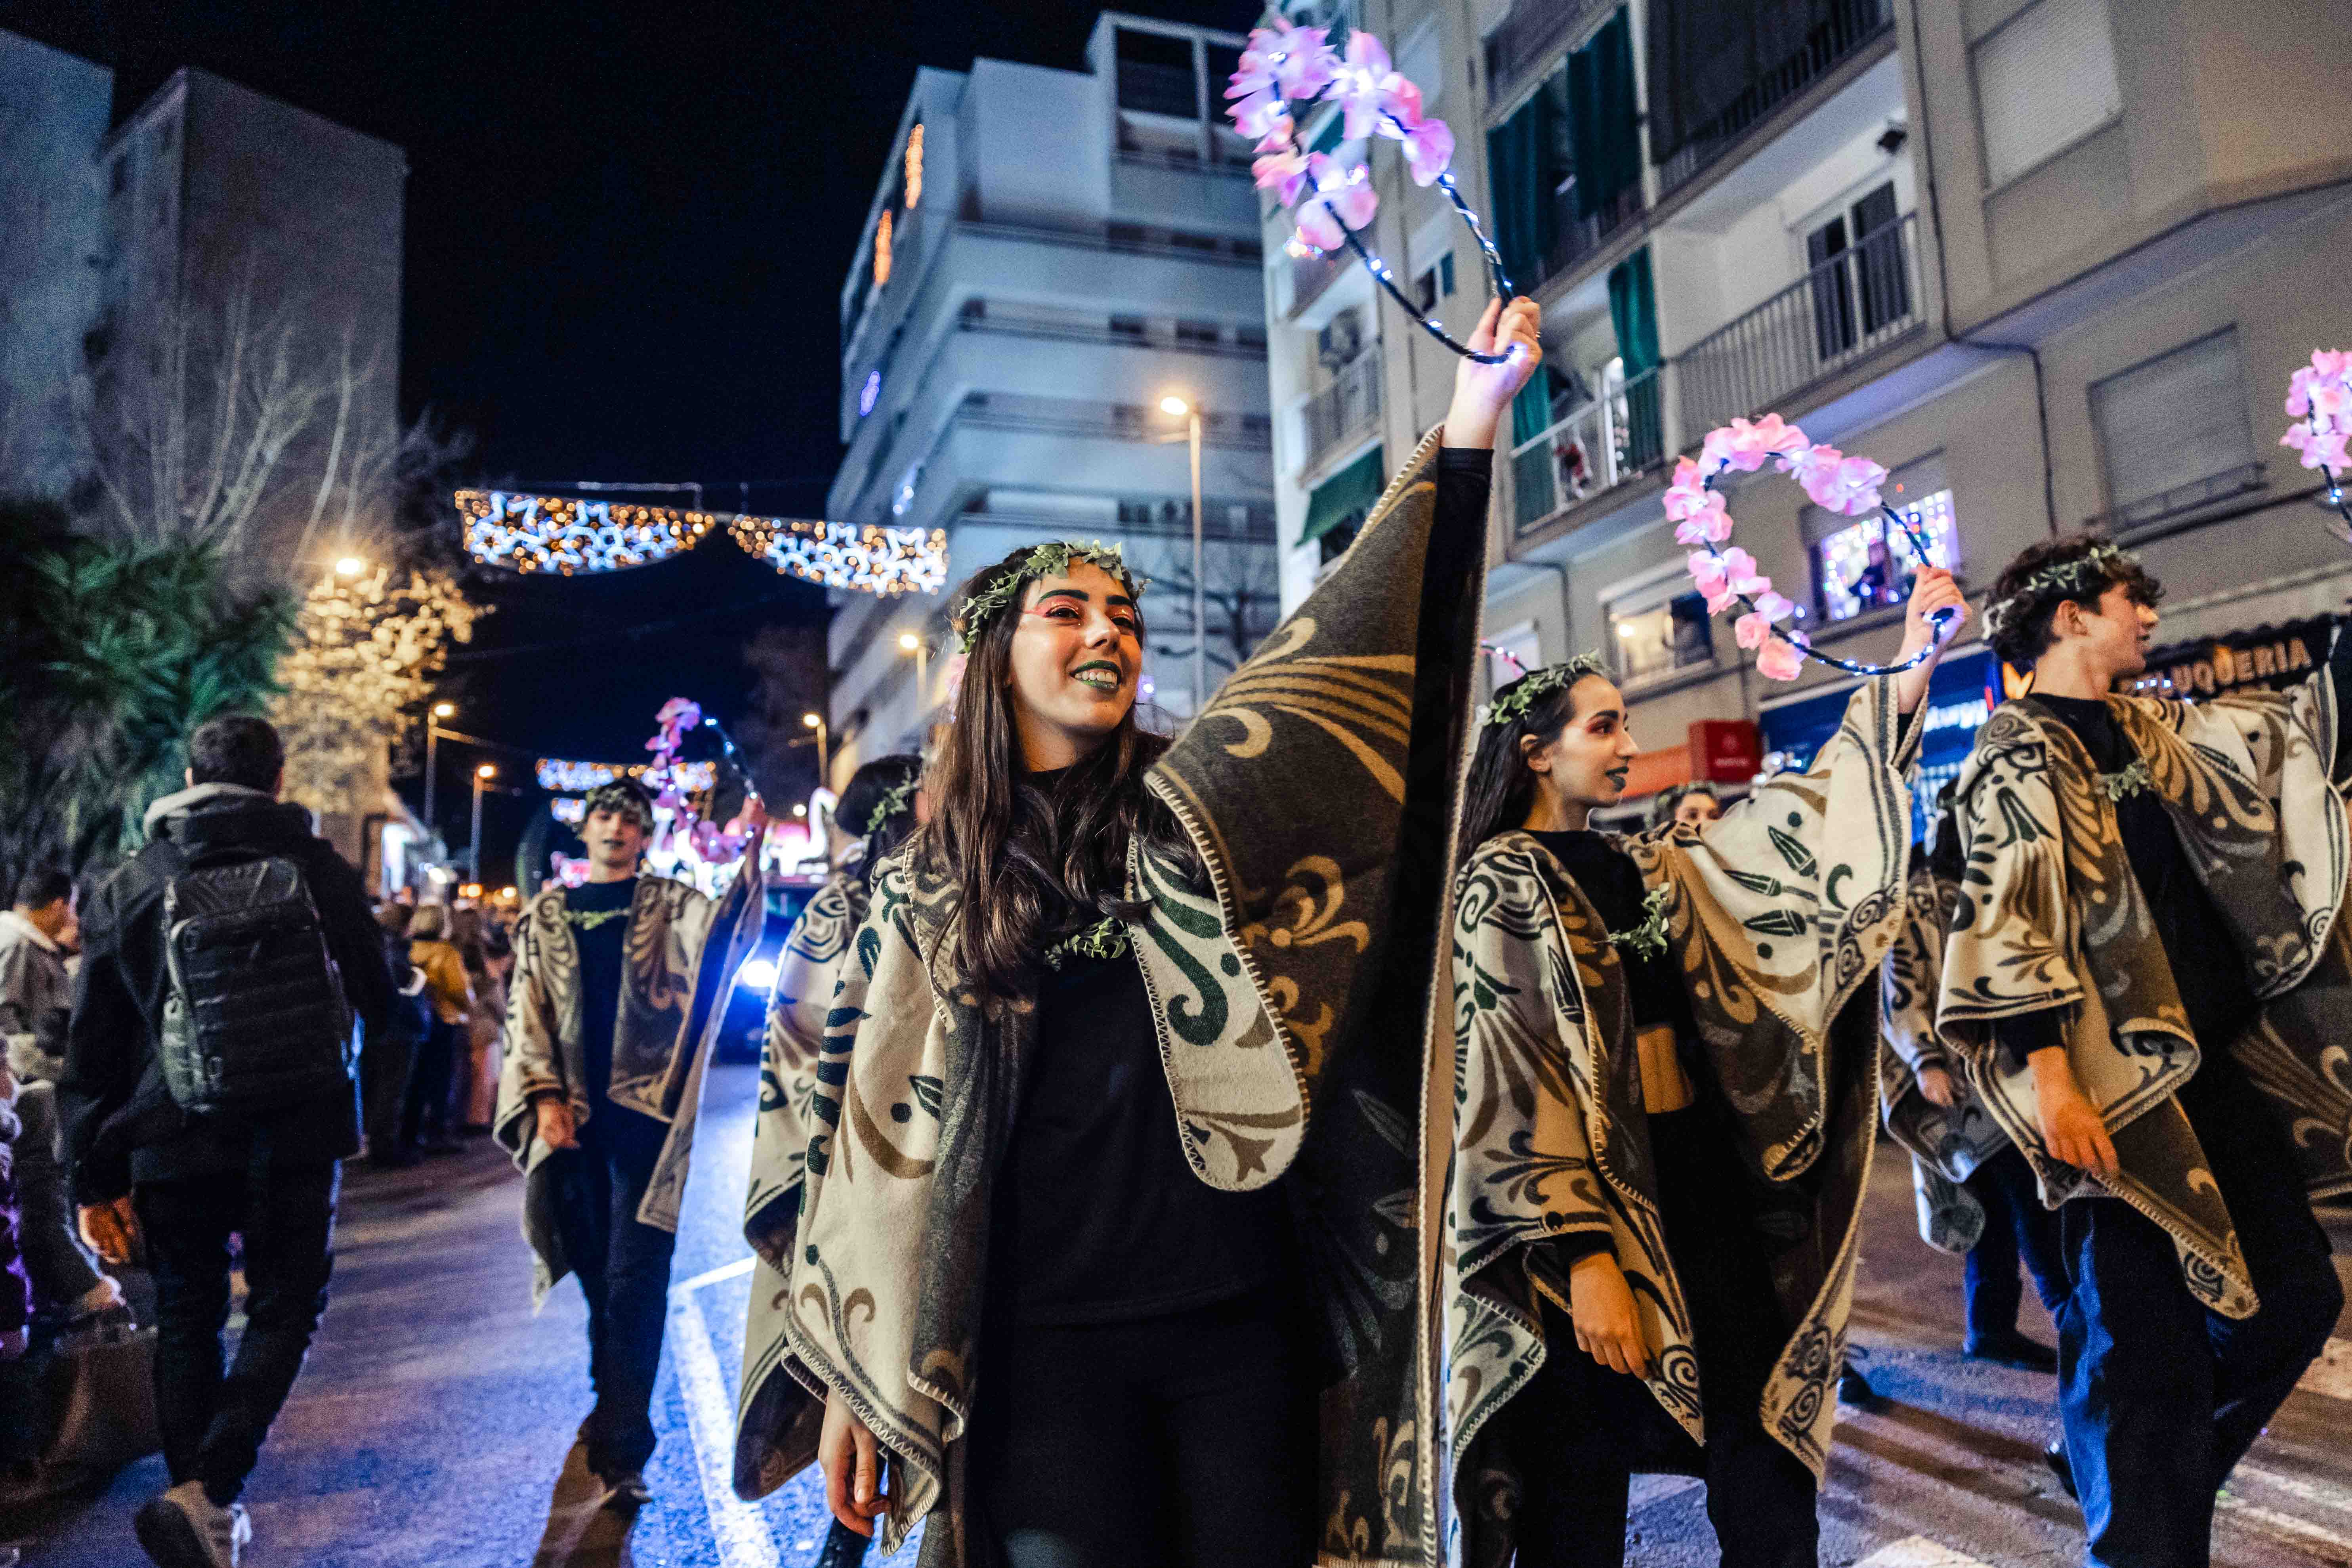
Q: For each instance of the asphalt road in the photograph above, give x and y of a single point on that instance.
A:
(434, 1422)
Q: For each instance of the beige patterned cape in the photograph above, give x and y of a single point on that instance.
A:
(674, 986)
(2051, 915)
(1946, 1143)
(1781, 913)
(1294, 997)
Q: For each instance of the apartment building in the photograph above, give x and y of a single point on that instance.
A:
(1049, 256)
(2050, 261)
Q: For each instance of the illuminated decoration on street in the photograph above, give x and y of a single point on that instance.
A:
(882, 251)
(572, 777)
(869, 393)
(870, 560)
(557, 533)
(567, 809)
(915, 168)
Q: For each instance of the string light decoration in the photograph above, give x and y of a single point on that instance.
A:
(557, 533)
(569, 777)
(1726, 578)
(1285, 64)
(915, 167)
(869, 559)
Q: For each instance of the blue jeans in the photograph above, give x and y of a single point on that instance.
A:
(2161, 1398)
(2017, 1227)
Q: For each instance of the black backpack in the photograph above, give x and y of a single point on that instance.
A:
(255, 1019)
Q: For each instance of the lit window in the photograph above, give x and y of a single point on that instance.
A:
(1667, 635)
(914, 168)
(882, 251)
(1861, 568)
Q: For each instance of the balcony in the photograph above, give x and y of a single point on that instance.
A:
(1616, 437)
(1530, 37)
(1575, 239)
(1345, 411)
(1840, 312)
(1311, 275)
(1850, 25)
(1146, 88)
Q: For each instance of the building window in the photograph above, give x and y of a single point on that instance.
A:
(1435, 284)
(1865, 289)
(2175, 432)
(1197, 332)
(2045, 79)
(1250, 337)
(1659, 631)
(1131, 328)
(1863, 564)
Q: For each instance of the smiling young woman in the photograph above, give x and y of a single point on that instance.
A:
(1108, 1256)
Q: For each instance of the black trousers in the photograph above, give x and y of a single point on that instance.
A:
(1186, 1441)
(2017, 1228)
(427, 1107)
(2159, 1398)
(623, 1270)
(212, 1421)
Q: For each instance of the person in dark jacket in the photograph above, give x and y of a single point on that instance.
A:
(144, 1168)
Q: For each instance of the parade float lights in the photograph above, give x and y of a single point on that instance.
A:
(1836, 482)
(1284, 67)
(2319, 398)
(532, 533)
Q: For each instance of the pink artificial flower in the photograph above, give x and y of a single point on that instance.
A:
(2298, 391)
(2322, 448)
(1743, 445)
(1428, 150)
(1342, 195)
(1842, 484)
(681, 711)
(1294, 61)
(2330, 397)
(1688, 492)
(1283, 172)
(1708, 576)
(1739, 567)
(1365, 87)
(1263, 116)
(1707, 524)
(1752, 628)
(2332, 364)
(1779, 659)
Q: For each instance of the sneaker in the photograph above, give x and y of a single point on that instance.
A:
(2011, 1349)
(182, 1528)
(626, 1490)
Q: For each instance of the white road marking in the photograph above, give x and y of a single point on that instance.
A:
(741, 1533)
(2284, 1528)
(1919, 1552)
(2325, 1494)
(2330, 1376)
(713, 1275)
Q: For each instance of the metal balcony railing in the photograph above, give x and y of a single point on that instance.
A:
(1618, 437)
(1849, 24)
(1345, 410)
(1530, 37)
(1574, 238)
(1842, 311)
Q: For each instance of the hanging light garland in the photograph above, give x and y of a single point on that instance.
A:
(530, 533)
(567, 776)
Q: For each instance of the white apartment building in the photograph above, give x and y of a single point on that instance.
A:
(1050, 254)
(2051, 261)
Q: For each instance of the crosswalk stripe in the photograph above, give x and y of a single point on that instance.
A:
(713, 1275)
(2285, 1528)
(741, 1534)
(2325, 1494)
(2330, 1376)
(1919, 1552)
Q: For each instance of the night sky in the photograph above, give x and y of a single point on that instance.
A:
(626, 231)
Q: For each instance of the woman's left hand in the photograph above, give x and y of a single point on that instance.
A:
(1932, 593)
(1481, 392)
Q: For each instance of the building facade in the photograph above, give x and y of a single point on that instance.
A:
(2050, 261)
(1049, 256)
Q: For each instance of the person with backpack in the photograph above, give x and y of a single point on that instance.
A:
(209, 1090)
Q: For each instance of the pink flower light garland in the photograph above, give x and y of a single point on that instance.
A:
(2319, 396)
(1285, 64)
(688, 828)
(1848, 486)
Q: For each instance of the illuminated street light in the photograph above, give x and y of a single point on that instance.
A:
(350, 566)
(823, 762)
(1171, 403)
(1182, 408)
(444, 710)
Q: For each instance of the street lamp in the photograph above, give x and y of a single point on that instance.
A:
(916, 644)
(1184, 410)
(482, 776)
(439, 712)
(823, 766)
(350, 566)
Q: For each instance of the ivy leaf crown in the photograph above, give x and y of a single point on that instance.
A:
(2095, 564)
(1514, 700)
(891, 804)
(1051, 559)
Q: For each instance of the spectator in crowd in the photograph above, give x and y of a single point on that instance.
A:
(15, 1287)
(385, 1067)
(188, 1118)
(478, 1046)
(1693, 804)
(424, 1124)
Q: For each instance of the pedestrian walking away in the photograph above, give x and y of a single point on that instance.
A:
(228, 970)
(1664, 1124)
(619, 988)
(2144, 984)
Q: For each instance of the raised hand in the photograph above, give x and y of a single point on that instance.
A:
(1481, 392)
(1933, 592)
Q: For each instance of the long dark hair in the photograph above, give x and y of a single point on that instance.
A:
(881, 782)
(1033, 861)
(1502, 789)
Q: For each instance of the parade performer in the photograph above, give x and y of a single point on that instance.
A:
(2151, 986)
(1976, 1197)
(619, 988)
(884, 802)
(1111, 1240)
(1664, 1119)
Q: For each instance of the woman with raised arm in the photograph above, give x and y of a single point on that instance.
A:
(1109, 1251)
(1664, 1119)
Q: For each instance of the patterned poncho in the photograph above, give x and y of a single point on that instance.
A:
(1781, 913)
(681, 954)
(2051, 915)
(1946, 1143)
(1294, 998)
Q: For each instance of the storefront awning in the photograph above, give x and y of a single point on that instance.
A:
(1346, 497)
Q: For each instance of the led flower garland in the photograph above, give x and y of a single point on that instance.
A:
(2320, 397)
(687, 830)
(1848, 486)
(1285, 66)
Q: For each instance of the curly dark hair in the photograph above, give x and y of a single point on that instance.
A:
(2031, 588)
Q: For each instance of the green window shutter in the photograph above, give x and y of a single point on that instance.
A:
(1345, 497)
(1603, 123)
(1519, 166)
(1634, 312)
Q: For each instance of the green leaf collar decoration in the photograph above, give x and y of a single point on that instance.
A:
(1105, 939)
(1514, 701)
(1051, 559)
(2127, 781)
(1648, 939)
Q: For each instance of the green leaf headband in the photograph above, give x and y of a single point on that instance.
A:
(2101, 558)
(623, 797)
(891, 804)
(1533, 686)
(1051, 559)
